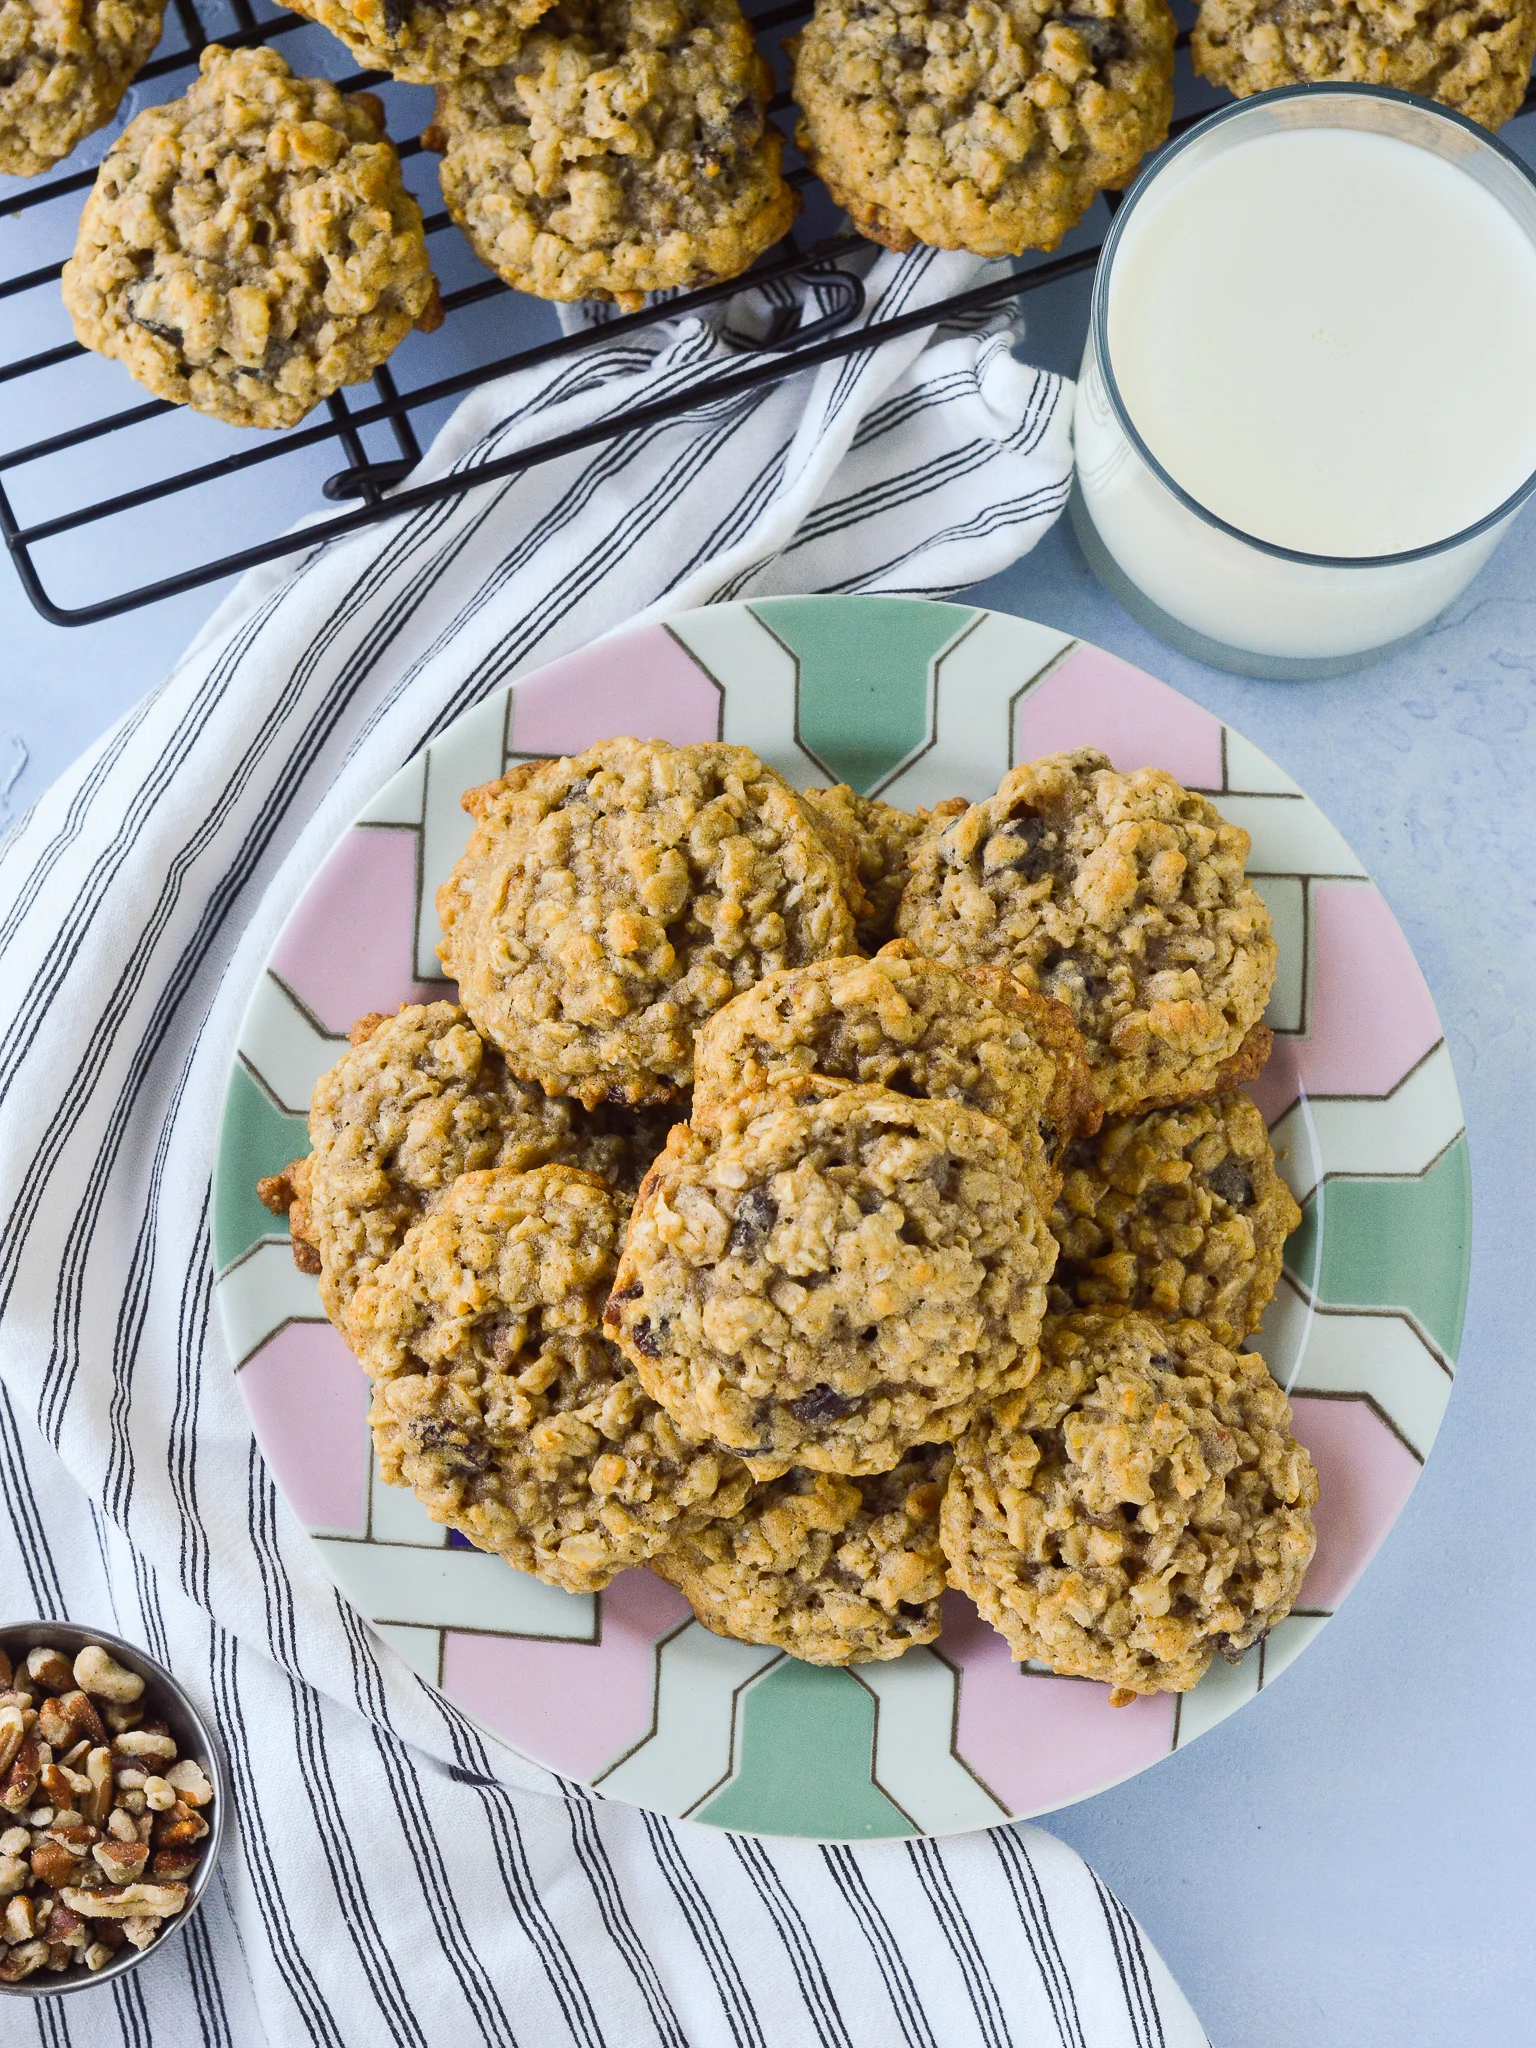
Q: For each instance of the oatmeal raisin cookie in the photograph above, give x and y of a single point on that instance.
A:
(625, 149)
(418, 1100)
(1476, 60)
(608, 904)
(987, 126)
(1142, 1505)
(833, 1570)
(899, 1021)
(498, 1400)
(1123, 896)
(1176, 1211)
(249, 248)
(64, 67)
(827, 1274)
(425, 41)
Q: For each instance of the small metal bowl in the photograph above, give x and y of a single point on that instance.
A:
(194, 1739)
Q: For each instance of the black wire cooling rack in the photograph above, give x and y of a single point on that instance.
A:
(179, 477)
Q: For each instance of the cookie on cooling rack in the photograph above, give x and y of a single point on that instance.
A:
(249, 248)
(608, 903)
(1123, 896)
(1478, 62)
(625, 149)
(827, 1274)
(981, 127)
(63, 72)
(419, 1099)
(425, 41)
(898, 1021)
(1142, 1505)
(500, 1403)
(833, 1570)
(1176, 1211)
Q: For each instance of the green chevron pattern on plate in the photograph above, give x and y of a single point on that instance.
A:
(866, 679)
(1398, 1241)
(808, 1756)
(256, 1138)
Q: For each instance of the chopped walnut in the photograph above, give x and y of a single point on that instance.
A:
(69, 1719)
(20, 1962)
(122, 1861)
(97, 1802)
(188, 1781)
(50, 1669)
(54, 1863)
(126, 1901)
(141, 1742)
(13, 1729)
(101, 1822)
(20, 1922)
(97, 1672)
(27, 1765)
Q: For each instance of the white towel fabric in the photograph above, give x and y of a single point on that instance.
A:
(394, 1875)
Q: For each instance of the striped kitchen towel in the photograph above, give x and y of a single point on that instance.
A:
(394, 1875)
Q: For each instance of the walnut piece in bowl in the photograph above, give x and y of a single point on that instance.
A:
(112, 1798)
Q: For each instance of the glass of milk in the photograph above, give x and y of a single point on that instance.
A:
(1307, 409)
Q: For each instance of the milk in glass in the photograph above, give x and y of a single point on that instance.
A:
(1326, 336)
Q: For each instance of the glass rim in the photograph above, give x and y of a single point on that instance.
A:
(1332, 89)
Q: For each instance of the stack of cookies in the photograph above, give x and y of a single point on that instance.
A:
(592, 149)
(823, 1204)
(251, 247)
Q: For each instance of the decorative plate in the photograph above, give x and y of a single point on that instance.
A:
(623, 1690)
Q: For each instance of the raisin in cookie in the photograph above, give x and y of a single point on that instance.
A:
(625, 149)
(609, 903)
(987, 126)
(1142, 1505)
(1123, 896)
(425, 41)
(833, 1570)
(827, 1274)
(1478, 62)
(498, 1400)
(1176, 1211)
(64, 67)
(882, 838)
(418, 1100)
(899, 1021)
(250, 248)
